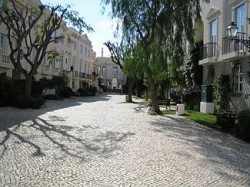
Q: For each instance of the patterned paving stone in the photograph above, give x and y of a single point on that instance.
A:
(102, 141)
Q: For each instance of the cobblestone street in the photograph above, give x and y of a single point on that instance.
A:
(103, 142)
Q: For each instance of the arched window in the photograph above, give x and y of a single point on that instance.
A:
(237, 78)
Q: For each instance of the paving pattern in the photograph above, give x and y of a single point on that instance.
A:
(103, 142)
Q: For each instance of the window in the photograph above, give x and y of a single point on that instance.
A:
(237, 79)
(213, 38)
(115, 70)
(213, 31)
(81, 48)
(74, 45)
(74, 62)
(33, 55)
(53, 34)
(61, 62)
(88, 53)
(103, 70)
(80, 67)
(240, 13)
(1, 44)
(44, 61)
(86, 50)
(85, 68)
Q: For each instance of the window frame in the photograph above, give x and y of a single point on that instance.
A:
(241, 18)
(103, 70)
(81, 48)
(115, 70)
(213, 27)
(74, 45)
(237, 79)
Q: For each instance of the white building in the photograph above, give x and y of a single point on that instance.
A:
(110, 73)
(223, 55)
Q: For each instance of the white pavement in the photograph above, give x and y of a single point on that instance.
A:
(103, 142)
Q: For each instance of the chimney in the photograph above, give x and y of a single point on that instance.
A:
(102, 51)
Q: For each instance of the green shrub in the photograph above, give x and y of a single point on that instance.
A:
(39, 100)
(226, 120)
(22, 101)
(244, 124)
(176, 95)
(82, 91)
(192, 98)
(37, 88)
(8, 90)
(87, 91)
(92, 90)
(65, 92)
(104, 88)
(51, 97)
(222, 91)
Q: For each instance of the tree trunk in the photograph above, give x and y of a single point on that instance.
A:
(154, 108)
(28, 83)
(130, 89)
(139, 85)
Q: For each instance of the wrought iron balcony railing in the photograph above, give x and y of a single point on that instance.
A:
(230, 45)
(209, 50)
(82, 75)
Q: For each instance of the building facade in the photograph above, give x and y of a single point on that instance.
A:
(223, 55)
(76, 59)
(110, 74)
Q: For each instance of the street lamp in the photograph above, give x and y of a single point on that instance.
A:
(232, 30)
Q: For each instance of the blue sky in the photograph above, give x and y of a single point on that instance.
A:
(90, 10)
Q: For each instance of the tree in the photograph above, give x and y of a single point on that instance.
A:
(193, 72)
(124, 57)
(30, 31)
(159, 28)
(133, 68)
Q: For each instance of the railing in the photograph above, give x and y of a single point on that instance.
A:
(209, 50)
(230, 45)
(4, 59)
(84, 75)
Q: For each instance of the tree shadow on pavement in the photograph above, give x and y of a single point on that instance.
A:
(66, 141)
(140, 108)
(214, 147)
(44, 135)
(11, 116)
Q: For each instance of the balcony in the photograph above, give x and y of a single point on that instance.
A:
(82, 75)
(209, 54)
(233, 49)
(5, 61)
